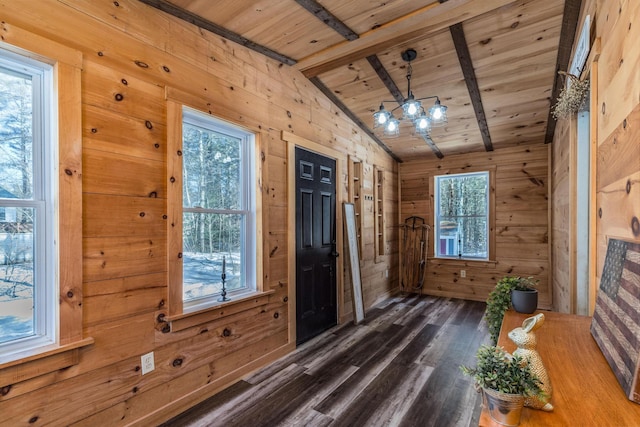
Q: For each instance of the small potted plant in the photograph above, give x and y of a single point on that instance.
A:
(524, 295)
(500, 299)
(505, 381)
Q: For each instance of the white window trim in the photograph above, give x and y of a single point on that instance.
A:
(436, 221)
(45, 170)
(248, 209)
(67, 65)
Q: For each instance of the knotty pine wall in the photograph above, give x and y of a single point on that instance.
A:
(562, 245)
(137, 52)
(375, 274)
(614, 68)
(521, 223)
(564, 230)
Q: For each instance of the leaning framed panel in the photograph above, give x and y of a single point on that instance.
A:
(354, 262)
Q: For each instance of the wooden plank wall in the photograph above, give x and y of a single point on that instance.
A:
(617, 207)
(375, 273)
(561, 219)
(521, 227)
(133, 54)
(379, 275)
(563, 160)
(616, 118)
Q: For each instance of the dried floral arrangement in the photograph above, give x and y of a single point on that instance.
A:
(571, 98)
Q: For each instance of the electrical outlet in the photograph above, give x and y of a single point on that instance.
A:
(147, 363)
(463, 273)
(386, 273)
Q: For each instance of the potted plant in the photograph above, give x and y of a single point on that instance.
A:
(500, 299)
(505, 381)
(524, 295)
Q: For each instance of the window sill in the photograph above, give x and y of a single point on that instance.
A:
(463, 262)
(179, 322)
(36, 362)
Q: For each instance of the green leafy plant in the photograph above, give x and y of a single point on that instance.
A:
(498, 370)
(522, 283)
(499, 301)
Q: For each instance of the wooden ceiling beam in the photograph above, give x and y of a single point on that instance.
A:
(567, 37)
(333, 98)
(328, 18)
(383, 74)
(205, 24)
(419, 24)
(433, 146)
(462, 49)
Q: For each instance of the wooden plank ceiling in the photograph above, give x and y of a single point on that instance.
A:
(493, 63)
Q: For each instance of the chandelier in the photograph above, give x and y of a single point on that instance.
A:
(412, 109)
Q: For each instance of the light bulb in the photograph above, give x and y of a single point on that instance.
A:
(411, 108)
(422, 125)
(438, 114)
(381, 117)
(392, 128)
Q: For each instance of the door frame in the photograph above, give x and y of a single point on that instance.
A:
(293, 142)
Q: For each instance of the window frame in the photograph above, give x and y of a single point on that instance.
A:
(44, 155)
(491, 209)
(67, 174)
(247, 208)
(173, 318)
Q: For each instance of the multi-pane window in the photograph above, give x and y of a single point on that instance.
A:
(462, 215)
(28, 301)
(218, 228)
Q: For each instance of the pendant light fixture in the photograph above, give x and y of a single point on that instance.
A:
(412, 109)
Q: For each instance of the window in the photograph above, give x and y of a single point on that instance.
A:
(462, 215)
(218, 215)
(28, 273)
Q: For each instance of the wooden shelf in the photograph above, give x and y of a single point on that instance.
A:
(355, 188)
(378, 197)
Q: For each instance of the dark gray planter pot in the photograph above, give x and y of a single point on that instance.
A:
(524, 301)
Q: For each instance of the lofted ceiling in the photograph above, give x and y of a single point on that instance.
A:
(493, 63)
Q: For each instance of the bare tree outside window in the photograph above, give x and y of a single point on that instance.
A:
(16, 221)
(216, 208)
(462, 215)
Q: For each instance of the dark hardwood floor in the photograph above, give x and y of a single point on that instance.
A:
(400, 367)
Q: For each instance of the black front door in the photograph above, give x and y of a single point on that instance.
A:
(315, 244)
